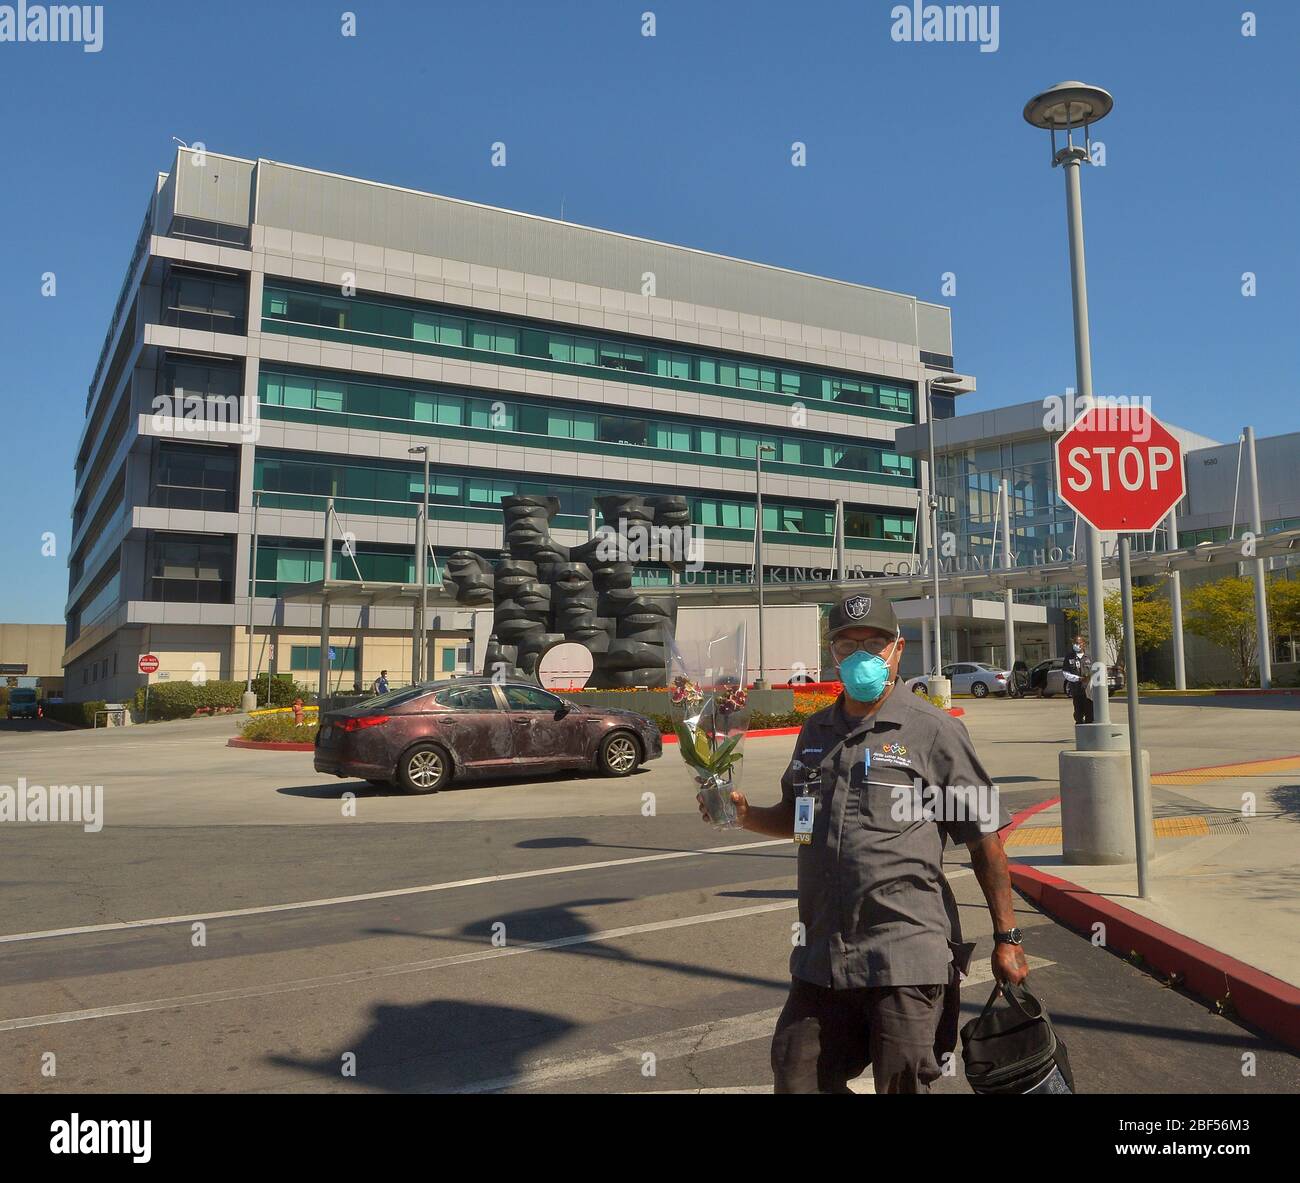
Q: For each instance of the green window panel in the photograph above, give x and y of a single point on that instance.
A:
(307, 657)
(449, 661)
(394, 319)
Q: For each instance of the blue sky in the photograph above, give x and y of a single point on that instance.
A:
(918, 163)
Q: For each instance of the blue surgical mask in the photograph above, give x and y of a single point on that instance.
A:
(864, 675)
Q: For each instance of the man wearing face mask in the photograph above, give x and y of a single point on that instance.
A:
(879, 783)
(1076, 672)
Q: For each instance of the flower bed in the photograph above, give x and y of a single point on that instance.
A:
(279, 728)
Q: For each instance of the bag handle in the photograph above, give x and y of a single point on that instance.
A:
(1018, 996)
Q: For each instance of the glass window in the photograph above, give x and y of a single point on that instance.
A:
(525, 698)
(329, 395)
(464, 698)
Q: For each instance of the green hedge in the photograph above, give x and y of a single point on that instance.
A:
(80, 714)
(182, 700)
(279, 729)
(758, 721)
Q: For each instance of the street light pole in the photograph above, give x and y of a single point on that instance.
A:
(250, 699)
(420, 666)
(759, 449)
(934, 528)
(1071, 106)
(1261, 597)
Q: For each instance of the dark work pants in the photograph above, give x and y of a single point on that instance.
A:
(1082, 705)
(824, 1038)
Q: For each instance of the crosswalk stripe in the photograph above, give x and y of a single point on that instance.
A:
(673, 1045)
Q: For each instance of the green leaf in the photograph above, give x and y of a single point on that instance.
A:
(687, 745)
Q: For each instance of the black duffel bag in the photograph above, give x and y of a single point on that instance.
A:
(1015, 1050)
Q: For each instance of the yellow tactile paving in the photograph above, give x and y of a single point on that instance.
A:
(1198, 776)
(1165, 827)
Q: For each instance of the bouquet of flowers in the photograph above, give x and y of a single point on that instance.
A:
(709, 711)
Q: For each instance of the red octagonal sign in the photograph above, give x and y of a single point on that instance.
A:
(1119, 468)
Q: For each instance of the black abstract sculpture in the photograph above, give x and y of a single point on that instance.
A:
(544, 594)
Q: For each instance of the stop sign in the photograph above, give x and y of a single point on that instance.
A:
(1119, 468)
(148, 663)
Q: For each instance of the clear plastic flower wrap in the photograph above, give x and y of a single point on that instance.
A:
(709, 708)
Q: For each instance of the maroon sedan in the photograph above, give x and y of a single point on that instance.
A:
(423, 736)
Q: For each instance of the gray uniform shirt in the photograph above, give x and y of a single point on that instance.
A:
(876, 908)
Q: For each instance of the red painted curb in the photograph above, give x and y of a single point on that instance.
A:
(1259, 998)
(259, 745)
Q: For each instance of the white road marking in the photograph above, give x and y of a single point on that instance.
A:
(673, 1045)
(387, 971)
(264, 909)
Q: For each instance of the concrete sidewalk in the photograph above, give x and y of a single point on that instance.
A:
(1224, 876)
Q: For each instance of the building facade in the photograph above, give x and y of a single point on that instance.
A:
(975, 452)
(285, 335)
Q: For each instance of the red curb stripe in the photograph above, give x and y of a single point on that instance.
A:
(1262, 1000)
(260, 745)
(1020, 818)
(1259, 998)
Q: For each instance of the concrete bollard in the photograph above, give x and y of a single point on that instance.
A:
(941, 688)
(248, 701)
(1097, 797)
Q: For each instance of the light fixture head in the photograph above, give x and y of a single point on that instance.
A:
(1068, 105)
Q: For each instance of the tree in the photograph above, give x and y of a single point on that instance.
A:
(1152, 623)
(1223, 612)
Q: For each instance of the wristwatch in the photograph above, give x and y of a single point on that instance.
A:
(1011, 937)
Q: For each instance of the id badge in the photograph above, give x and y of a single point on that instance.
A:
(803, 819)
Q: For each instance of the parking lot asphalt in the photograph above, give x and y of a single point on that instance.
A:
(238, 925)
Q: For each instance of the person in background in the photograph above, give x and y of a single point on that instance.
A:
(1077, 672)
(381, 683)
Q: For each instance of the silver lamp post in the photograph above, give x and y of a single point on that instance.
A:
(759, 450)
(250, 698)
(421, 664)
(937, 686)
(1070, 107)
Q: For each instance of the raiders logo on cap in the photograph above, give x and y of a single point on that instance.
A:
(856, 607)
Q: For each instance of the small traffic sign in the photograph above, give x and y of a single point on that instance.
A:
(1119, 468)
(148, 663)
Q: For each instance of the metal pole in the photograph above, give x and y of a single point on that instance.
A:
(761, 683)
(839, 539)
(1261, 594)
(923, 531)
(417, 657)
(1009, 623)
(252, 592)
(323, 683)
(934, 532)
(591, 523)
(1176, 609)
(1072, 160)
(424, 577)
(1141, 808)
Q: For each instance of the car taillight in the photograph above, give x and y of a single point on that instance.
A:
(357, 724)
(1001, 677)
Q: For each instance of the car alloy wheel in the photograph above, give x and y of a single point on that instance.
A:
(619, 754)
(920, 688)
(424, 770)
(979, 690)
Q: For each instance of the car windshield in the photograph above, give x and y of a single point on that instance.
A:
(22, 696)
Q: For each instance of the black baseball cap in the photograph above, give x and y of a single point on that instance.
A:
(863, 610)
